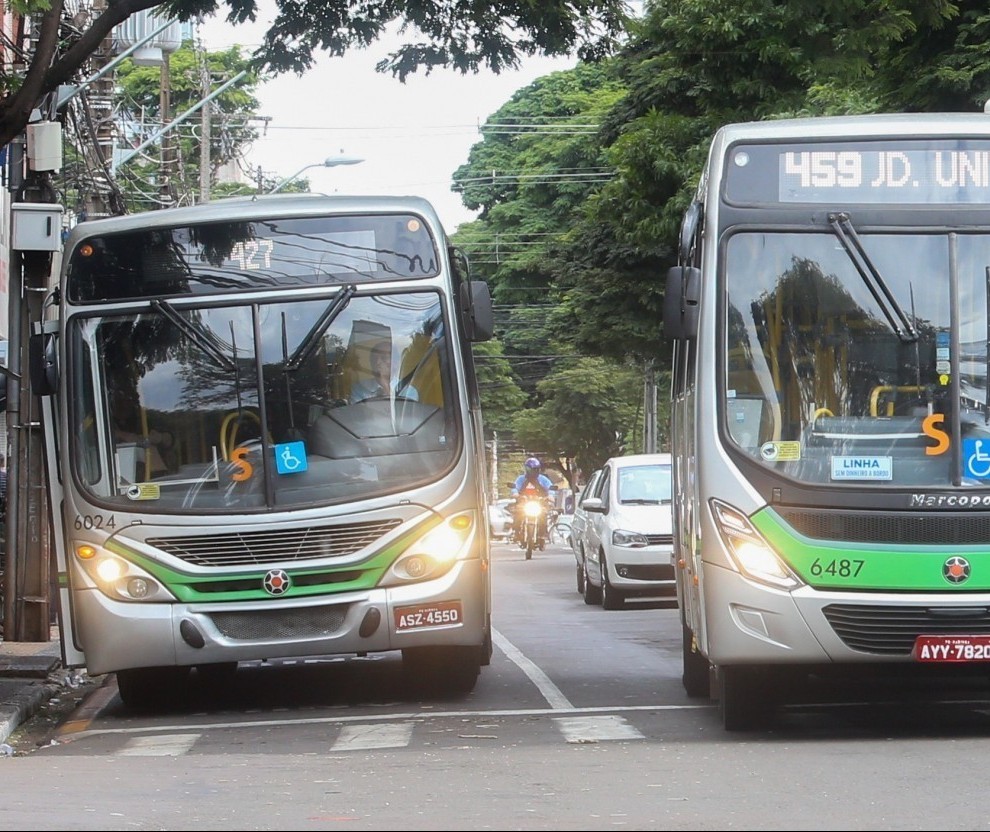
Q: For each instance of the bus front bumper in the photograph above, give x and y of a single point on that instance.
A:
(447, 611)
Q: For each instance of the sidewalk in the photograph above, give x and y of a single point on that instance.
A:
(29, 677)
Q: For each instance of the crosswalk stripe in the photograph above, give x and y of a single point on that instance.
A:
(596, 728)
(363, 737)
(169, 745)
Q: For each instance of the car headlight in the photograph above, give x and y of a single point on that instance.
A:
(433, 554)
(631, 540)
(749, 550)
(119, 578)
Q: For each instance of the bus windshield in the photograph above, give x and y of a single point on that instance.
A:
(247, 406)
(824, 385)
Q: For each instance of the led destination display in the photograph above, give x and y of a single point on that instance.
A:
(948, 172)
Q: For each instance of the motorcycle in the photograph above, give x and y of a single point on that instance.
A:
(531, 533)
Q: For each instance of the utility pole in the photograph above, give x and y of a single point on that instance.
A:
(649, 408)
(166, 189)
(204, 133)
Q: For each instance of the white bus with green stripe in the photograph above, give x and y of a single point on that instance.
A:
(830, 419)
(221, 492)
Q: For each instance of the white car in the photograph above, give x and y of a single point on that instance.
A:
(500, 519)
(578, 523)
(628, 540)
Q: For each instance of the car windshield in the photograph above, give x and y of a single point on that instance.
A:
(644, 485)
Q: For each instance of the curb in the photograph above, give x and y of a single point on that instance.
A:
(20, 707)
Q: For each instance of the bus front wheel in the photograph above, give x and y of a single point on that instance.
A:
(143, 688)
(451, 670)
(696, 676)
(744, 697)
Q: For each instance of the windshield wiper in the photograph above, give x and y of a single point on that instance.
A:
(198, 335)
(843, 228)
(308, 344)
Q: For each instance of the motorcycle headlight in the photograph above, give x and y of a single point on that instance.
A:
(750, 552)
(532, 509)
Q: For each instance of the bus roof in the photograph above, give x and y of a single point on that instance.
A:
(873, 124)
(257, 207)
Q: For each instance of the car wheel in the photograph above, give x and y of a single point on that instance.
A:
(580, 578)
(612, 599)
(592, 594)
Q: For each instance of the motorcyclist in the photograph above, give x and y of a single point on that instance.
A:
(532, 478)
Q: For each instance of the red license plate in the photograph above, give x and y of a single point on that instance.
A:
(951, 649)
(428, 615)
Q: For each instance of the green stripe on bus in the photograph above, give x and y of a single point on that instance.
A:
(189, 588)
(834, 564)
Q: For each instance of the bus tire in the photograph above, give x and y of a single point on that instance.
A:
(143, 688)
(444, 670)
(696, 676)
(743, 699)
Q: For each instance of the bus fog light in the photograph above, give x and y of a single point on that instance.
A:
(138, 588)
(416, 566)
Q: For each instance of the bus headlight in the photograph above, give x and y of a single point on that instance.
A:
(118, 578)
(434, 553)
(750, 552)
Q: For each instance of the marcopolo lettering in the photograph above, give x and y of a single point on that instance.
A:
(950, 501)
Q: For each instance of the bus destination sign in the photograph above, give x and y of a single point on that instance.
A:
(947, 172)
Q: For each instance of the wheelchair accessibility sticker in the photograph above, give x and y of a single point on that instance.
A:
(290, 458)
(976, 458)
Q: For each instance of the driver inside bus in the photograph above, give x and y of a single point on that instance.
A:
(381, 383)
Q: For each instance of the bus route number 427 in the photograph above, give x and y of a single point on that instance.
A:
(428, 615)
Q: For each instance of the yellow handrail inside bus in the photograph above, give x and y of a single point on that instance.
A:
(234, 417)
(880, 389)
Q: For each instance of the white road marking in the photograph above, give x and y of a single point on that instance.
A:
(554, 696)
(364, 737)
(596, 728)
(171, 745)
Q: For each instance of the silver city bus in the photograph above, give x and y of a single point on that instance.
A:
(264, 440)
(831, 428)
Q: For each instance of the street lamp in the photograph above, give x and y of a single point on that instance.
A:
(329, 162)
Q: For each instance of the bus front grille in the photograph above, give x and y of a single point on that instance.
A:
(943, 529)
(251, 548)
(280, 625)
(892, 630)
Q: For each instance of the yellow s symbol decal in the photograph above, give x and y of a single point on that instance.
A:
(246, 469)
(941, 438)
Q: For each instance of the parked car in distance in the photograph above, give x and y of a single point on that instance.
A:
(500, 519)
(578, 522)
(628, 540)
(560, 532)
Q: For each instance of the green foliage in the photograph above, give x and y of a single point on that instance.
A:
(590, 408)
(467, 36)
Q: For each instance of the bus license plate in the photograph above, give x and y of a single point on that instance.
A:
(428, 615)
(951, 649)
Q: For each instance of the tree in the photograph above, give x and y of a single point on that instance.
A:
(468, 36)
(140, 109)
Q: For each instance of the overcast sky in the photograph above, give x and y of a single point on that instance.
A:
(412, 136)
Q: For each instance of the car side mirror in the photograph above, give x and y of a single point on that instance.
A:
(593, 504)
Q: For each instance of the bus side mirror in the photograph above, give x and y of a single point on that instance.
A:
(477, 312)
(42, 364)
(680, 302)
